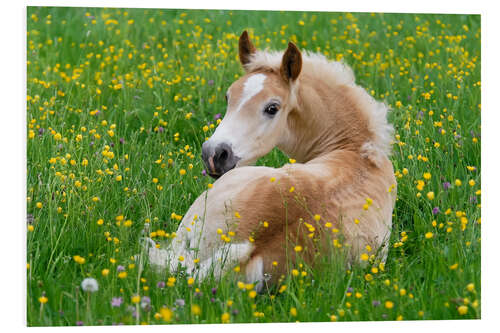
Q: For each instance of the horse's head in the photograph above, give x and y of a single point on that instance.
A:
(258, 105)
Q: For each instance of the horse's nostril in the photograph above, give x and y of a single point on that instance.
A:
(219, 160)
(223, 155)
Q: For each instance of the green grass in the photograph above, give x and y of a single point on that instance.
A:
(157, 81)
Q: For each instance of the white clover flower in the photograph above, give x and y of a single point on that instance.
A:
(90, 285)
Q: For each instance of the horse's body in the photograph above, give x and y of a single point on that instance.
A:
(343, 184)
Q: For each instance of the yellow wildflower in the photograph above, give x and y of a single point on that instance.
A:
(225, 317)
(166, 314)
(462, 310)
(195, 309)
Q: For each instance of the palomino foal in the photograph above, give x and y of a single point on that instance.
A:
(312, 110)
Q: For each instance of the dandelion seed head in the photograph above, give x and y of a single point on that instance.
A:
(90, 285)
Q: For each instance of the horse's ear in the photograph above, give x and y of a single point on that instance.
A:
(291, 64)
(246, 48)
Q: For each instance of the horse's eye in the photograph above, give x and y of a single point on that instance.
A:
(271, 109)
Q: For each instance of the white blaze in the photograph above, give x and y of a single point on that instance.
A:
(233, 130)
(225, 132)
(253, 85)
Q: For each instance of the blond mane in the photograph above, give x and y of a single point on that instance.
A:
(334, 73)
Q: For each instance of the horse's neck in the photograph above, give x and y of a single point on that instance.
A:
(327, 119)
(322, 140)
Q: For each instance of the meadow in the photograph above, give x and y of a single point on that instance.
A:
(119, 102)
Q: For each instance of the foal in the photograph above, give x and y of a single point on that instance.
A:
(342, 185)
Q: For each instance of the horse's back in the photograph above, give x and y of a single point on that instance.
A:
(266, 207)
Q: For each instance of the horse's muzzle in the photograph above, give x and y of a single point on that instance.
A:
(219, 159)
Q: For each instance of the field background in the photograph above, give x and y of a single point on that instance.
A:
(119, 102)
